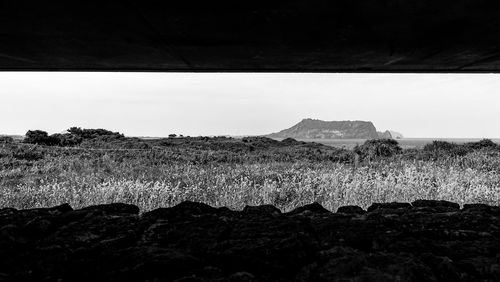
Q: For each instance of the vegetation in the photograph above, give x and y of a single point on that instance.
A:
(40, 137)
(74, 137)
(95, 166)
(6, 139)
(378, 148)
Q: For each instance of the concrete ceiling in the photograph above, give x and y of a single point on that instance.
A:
(251, 35)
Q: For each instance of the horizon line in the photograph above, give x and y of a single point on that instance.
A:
(264, 135)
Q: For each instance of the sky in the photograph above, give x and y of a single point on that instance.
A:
(194, 104)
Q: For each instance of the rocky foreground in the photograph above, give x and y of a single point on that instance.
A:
(421, 241)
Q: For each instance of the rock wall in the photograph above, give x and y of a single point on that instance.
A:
(421, 241)
(258, 35)
(389, 134)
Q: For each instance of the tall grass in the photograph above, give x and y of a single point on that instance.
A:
(152, 179)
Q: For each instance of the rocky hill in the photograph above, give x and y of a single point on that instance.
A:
(319, 129)
(421, 241)
(389, 134)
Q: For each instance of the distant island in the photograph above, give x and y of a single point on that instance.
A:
(320, 129)
(389, 134)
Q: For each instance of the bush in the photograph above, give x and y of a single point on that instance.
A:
(27, 154)
(67, 139)
(484, 143)
(75, 136)
(440, 145)
(93, 133)
(6, 139)
(40, 137)
(445, 149)
(291, 141)
(260, 142)
(377, 148)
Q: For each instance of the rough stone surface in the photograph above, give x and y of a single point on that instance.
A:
(390, 206)
(434, 203)
(310, 208)
(351, 210)
(196, 242)
(258, 35)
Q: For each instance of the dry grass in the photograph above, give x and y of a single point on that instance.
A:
(146, 180)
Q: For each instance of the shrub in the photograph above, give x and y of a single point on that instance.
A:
(290, 141)
(75, 136)
(260, 142)
(342, 156)
(440, 145)
(27, 154)
(377, 148)
(6, 139)
(67, 139)
(40, 137)
(445, 149)
(484, 143)
(93, 133)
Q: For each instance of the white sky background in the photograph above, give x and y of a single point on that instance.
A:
(158, 104)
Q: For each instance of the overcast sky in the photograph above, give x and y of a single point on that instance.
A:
(158, 104)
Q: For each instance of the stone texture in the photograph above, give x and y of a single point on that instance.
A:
(389, 206)
(310, 208)
(291, 35)
(435, 203)
(351, 210)
(196, 242)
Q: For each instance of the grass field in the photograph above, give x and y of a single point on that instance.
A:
(238, 172)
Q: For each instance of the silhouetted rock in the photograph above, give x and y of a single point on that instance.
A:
(390, 206)
(7, 211)
(196, 242)
(482, 208)
(242, 277)
(261, 210)
(53, 210)
(312, 208)
(351, 210)
(477, 207)
(185, 209)
(114, 209)
(435, 204)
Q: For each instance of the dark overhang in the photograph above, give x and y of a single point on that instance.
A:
(251, 35)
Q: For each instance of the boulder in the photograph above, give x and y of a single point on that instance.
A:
(439, 205)
(351, 210)
(196, 242)
(312, 208)
(389, 206)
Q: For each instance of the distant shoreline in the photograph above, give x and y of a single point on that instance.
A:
(405, 143)
(410, 142)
